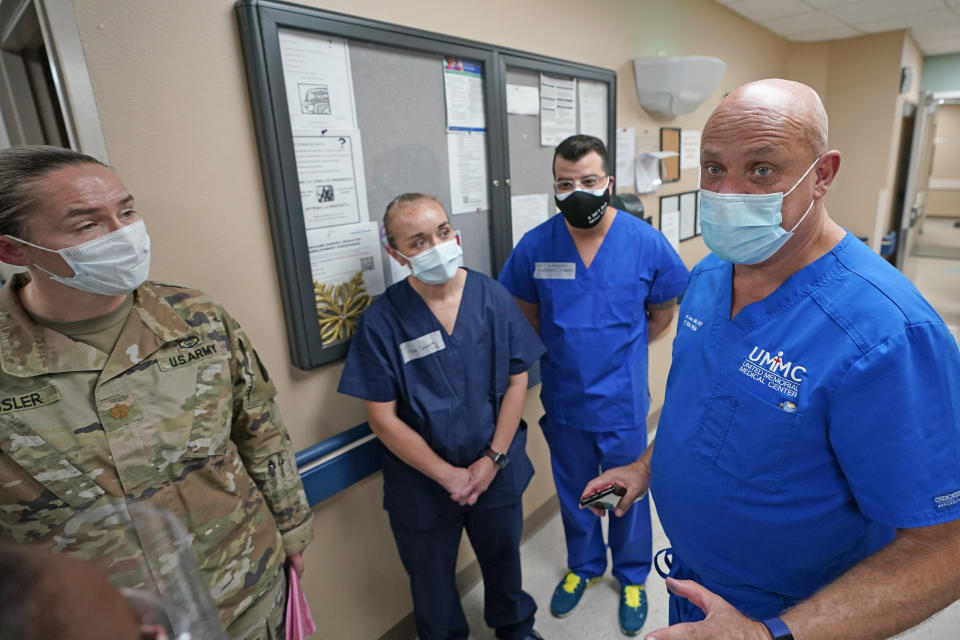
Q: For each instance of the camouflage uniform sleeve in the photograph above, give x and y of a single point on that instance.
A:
(264, 444)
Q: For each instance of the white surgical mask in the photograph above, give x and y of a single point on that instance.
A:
(744, 228)
(438, 264)
(111, 265)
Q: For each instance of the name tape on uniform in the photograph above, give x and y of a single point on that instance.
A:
(555, 271)
(29, 399)
(177, 360)
(422, 346)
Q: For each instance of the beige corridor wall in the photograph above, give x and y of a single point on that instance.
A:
(946, 164)
(865, 110)
(858, 81)
(170, 87)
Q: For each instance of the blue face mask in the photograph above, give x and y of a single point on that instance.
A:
(744, 228)
(438, 264)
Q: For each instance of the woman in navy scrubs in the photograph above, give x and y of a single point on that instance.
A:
(440, 360)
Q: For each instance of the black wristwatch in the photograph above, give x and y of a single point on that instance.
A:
(499, 459)
(777, 629)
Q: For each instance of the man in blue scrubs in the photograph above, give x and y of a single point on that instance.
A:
(598, 284)
(807, 463)
(441, 360)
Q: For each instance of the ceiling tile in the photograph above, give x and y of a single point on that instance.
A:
(934, 24)
(826, 4)
(836, 33)
(940, 31)
(939, 48)
(919, 19)
(802, 23)
(873, 10)
(944, 38)
(759, 10)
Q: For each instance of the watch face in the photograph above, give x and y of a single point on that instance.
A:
(499, 459)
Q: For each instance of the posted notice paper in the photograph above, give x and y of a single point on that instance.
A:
(690, 149)
(318, 82)
(592, 108)
(688, 214)
(558, 110)
(337, 253)
(463, 90)
(626, 157)
(523, 100)
(526, 212)
(467, 155)
(332, 186)
(670, 221)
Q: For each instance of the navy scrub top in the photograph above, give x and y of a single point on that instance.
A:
(448, 388)
(796, 437)
(593, 321)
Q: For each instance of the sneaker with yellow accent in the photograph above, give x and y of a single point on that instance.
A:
(633, 608)
(568, 592)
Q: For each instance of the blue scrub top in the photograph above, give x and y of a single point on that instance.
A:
(448, 388)
(796, 437)
(593, 321)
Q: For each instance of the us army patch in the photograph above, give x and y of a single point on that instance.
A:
(29, 399)
(188, 343)
(170, 361)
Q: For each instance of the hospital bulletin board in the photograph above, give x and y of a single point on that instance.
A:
(350, 113)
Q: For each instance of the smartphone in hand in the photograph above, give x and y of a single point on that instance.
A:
(605, 498)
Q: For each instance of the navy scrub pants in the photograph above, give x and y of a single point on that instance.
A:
(430, 558)
(576, 458)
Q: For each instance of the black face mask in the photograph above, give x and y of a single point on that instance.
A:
(583, 210)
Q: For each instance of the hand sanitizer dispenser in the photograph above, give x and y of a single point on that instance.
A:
(675, 85)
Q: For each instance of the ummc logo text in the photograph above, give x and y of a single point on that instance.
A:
(776, 364)
(773, 371)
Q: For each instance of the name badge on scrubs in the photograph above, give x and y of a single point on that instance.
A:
(555, 271)
(422, 347)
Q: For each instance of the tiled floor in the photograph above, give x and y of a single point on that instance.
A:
(596, 617)
(543, 556)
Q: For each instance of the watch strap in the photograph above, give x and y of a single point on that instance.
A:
(777, 628)
(499, 459)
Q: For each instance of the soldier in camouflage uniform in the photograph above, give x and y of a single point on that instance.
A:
(152, 397)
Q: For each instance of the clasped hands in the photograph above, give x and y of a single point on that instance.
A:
(465, 484)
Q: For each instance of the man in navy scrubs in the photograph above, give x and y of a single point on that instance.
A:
(598, 284)
(441, 360)
(807, 464)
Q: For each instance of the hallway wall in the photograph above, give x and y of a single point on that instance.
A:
(943, 196)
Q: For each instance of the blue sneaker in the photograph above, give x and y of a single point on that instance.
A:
(568, 593)
(633, 609)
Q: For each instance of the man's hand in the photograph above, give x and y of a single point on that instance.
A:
(296, 561)
(456, 483)
(482, 472)
(722, 621)
(634, 477)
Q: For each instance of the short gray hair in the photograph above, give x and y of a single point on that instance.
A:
(20, 169)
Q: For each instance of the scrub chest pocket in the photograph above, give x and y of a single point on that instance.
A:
(745, 437)
(586, 303)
